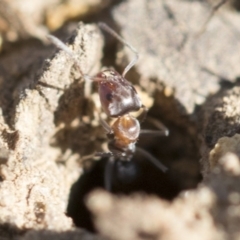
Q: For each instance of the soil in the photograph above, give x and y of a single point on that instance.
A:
(51, 181)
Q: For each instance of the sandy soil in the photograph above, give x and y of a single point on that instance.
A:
(51, 186)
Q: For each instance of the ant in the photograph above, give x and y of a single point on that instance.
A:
(118, 98)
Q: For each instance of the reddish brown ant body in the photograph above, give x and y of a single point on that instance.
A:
(118, 98)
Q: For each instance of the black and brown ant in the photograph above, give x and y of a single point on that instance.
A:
(118, 99)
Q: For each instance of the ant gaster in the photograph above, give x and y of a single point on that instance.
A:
(118, 98)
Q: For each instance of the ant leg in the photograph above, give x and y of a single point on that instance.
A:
(163, 129)
(143, 114)
(213, 11)
(152, 159)
(108, 174)
(105, 125)
(119, 38)
(103, 154)
(154, 132)
(88, 79)
(59, 44)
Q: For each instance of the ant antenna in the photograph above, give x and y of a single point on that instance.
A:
(113, 33)
(59, 44)
(214, 9)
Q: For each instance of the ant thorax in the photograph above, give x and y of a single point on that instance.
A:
(117, 95)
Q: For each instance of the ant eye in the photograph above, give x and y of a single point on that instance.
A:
(117, 95)
(106, 94)
(109, 97)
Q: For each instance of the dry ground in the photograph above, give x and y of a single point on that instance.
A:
(187, 74)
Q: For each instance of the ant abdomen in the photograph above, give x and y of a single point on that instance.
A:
(117, 95)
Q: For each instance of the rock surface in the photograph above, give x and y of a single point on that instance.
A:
(49, 121)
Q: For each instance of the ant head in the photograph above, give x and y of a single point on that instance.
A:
(117, 95)
(126, 131)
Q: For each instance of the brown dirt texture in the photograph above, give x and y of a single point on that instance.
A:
(188, 75)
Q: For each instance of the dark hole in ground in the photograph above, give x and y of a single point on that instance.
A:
(140, 175)
(129, 177)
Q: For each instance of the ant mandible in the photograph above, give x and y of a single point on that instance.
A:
(118, 98)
